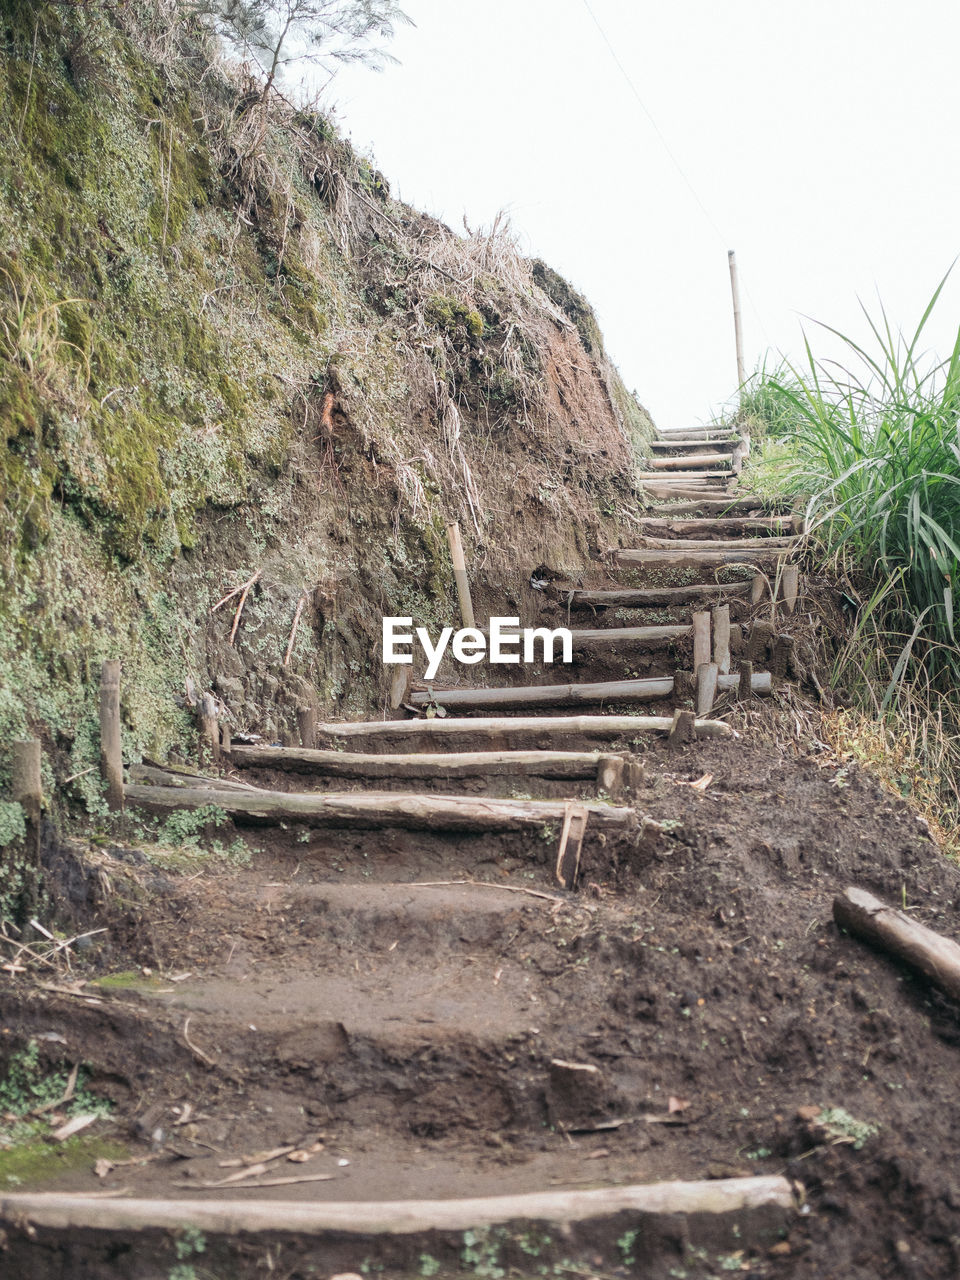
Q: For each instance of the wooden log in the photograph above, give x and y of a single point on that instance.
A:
(731, 506)
(760, 682)
(571, 842)
(867, 917)
(707, 680)
(690, 462)
(557, 765)
(209, 727)
(460, 573)
(111, 749)
(684, 443)
(728, 524)
(505, 731)
(670, 489)
(701, 638)
(400, 685)
(26, 790)
(790, 586)
(718, 544)
(173, 777)
(684, 477)
(638, 599)
(224, 738)
(745, 683)
(769, 1199)
(627, 635)
(371, 810)
(685, 559)
(721, 638)
(546, 695)
(307, 724)
(756, 589)
(682, 730)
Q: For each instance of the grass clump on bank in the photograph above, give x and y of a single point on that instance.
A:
(870, 446)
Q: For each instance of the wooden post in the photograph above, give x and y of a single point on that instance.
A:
(756, 588)
(225, 744)
(701, 639)
(571, 842)
(721, 637)
(738, 334)
(707, 676)
(460, 573)
(610, 774)
(682, 730)
(791, 586)
(745, 688)
(111, 750)
(307, 724)
(209, 729)
(25, 787)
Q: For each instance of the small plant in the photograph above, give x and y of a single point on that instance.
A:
(184, 827)
(429, 1266)
(840, 1126)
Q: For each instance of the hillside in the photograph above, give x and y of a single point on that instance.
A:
(226, 351)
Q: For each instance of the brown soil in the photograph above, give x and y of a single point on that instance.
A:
(411, 1027)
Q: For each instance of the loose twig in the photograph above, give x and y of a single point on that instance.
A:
(198, 1053)
(243, 600)
(293, 634)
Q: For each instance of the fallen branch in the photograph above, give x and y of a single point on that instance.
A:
(244, 586)
(483, 884)
(244, 592)
(293, 633)
(197, 1053)
(865, 916)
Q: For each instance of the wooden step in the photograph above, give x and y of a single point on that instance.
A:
(560, 695)
(684, 478)
(627, 635)
(719, 544)
(552, 765)
(687, 559)
(501, 732)
(370, 810)
(648, 596)
(686, 444)
(692, 462)
(721, 506)
(652, 526)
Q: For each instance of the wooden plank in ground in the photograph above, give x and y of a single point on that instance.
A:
(790, 583)
(371, 810)
(718, 544)
(658, 526)
(685, 559)
(505, 731)
(622, 635)
(692, 462)
(546, 695)
(721, 637)
(701, 638)
(639, 598)
(555, 765)
(571, 843)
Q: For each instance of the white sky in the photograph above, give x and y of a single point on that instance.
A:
(822, 139)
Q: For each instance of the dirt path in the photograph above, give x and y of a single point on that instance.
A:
(682, 1015)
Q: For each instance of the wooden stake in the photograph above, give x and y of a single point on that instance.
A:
(111, 749)
(791, 586)
(721, 637)
(307, 724)
(460, 573)
(571, 842)
(707, 678)
(745, 687)
(400, 684)
(209, 728)
(701, 638)
(937, 957)
(682, 730)
(738, 334)
(610, 772)
(26, 790)
(756, 590)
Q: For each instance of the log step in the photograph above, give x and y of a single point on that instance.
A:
(690, 442)
(680, 559)
(725, 524)
(693, 462)
(685, 478)
(627, 635)
(552, 765)
(372, 810)
(719, 544)
(722, 506)
(559, 695)
(641, 598)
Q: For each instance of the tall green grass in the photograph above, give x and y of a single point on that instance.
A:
(872, 452)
